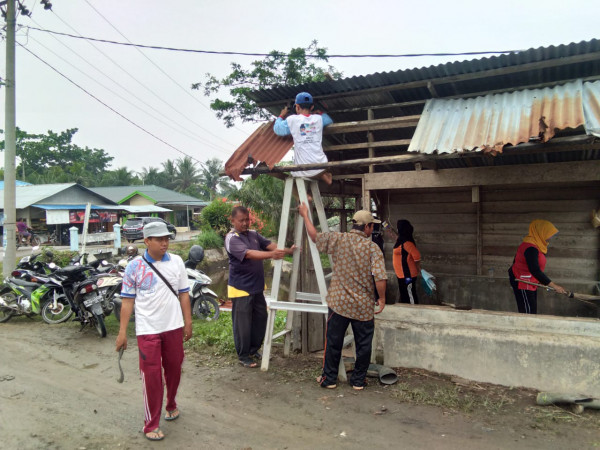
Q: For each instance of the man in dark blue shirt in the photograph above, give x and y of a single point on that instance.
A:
(246, 250)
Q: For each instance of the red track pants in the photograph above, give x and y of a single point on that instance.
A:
(159, 352)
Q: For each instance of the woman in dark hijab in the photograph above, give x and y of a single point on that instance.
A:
(407, 263)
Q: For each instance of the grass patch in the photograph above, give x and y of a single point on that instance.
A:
(209, 239)
(324, 260)
(217, 337)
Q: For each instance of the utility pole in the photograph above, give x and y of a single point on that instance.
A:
(10, 212)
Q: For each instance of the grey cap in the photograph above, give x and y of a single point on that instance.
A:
(156, 229)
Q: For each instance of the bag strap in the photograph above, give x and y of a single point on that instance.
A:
(161, 276)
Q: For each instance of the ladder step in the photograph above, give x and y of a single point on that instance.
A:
(281, 333)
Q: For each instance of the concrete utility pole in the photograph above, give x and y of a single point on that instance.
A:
(10, 137)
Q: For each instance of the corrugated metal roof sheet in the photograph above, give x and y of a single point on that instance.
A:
(493, 121)
(404, 92)
(157, 193)
(262, 146)
(334, 94)
(26, 196)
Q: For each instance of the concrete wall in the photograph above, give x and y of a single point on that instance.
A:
(495, 294)
(540, 352)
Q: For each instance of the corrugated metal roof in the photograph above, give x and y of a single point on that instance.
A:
(262, 146)
(157, 193)
(451, 79)
(493, 121)
(404, 93)
(26, 196)
(17, 183)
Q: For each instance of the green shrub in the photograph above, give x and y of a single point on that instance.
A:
(61, 258)
(209, 239)
(216, 216)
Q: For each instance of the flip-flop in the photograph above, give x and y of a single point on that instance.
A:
(159, 435)
(172, 415)
(248, 363)
(320, 380)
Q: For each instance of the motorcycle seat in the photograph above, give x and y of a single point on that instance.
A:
(71, 270)
(24, 283)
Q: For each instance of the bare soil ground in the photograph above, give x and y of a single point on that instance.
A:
(58, 390)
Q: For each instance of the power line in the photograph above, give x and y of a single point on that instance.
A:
(187, 91)
(310, 55)
(136, 80)
(109, 107)
(185, 132)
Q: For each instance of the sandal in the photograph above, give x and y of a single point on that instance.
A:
(248, 363)
(321, 379)
(155, 435)
(172, 415)
(257, 355)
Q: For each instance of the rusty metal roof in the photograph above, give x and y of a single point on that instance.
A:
(262, 146)
(493, 121)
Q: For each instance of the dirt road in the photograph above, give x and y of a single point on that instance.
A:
(58, 390)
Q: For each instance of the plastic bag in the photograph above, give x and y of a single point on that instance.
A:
(428, 282)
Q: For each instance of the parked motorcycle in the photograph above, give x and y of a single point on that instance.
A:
(91, 306)
(205, 305)
(28, 294)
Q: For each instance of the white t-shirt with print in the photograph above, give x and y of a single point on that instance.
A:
(307, 132)
(156, 308)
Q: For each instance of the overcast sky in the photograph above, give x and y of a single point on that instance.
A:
(161, 100)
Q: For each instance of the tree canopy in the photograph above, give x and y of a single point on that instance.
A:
(300, 65)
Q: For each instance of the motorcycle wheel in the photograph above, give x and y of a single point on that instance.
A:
(7, 313)
(206, 308)
(60, 314)
(35, 241)
(98, 322)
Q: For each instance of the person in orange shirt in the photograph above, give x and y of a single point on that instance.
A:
(407, 263)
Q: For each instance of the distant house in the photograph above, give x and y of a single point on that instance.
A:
(181, 206)
(45, 206)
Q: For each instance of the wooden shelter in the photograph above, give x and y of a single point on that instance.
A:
(470, 152)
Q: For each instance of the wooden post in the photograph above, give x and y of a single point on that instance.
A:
(476, 199)
(366, 196)
(371, 139)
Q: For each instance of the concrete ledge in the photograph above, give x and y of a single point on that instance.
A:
(540, 352)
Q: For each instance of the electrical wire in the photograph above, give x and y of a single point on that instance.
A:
(310, 55)
(187, 91)
(175, 126)
(137, 81)
(109, 107)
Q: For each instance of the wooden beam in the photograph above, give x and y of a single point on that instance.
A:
(394, 143)
(487, 176)
(372, 124)
(432, 91)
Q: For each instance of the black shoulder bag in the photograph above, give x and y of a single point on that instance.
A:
(161, 276)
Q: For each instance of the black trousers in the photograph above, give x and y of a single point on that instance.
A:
(363, 337)
(249, 317)
(526, 300)
(408, 292)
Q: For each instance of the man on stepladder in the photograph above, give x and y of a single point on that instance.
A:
(306, 127)
(357, 264)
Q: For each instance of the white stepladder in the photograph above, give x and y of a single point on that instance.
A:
(310, 302)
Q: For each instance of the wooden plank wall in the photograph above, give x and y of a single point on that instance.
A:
(446, 227)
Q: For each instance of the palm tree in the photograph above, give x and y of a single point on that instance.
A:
(211, 179)
(169, 172)
(186, 174)
(119, 177)
(152, 176)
